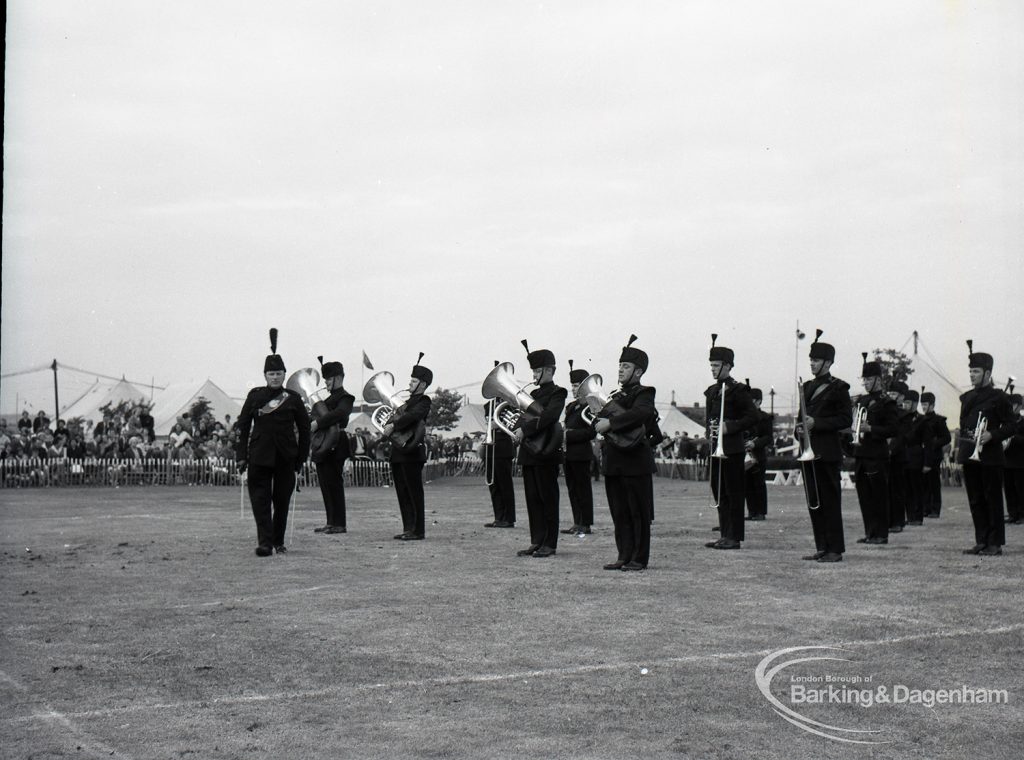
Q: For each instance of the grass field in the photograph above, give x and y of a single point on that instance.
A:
(137, 623)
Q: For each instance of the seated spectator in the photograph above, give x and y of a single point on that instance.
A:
(178, 436)
(25, 424)
(4, 437)
(76, 448)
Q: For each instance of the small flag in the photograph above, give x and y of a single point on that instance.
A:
(366, 361)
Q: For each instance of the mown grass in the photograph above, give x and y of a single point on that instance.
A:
(138, 623)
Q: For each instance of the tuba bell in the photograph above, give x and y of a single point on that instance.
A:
(380, 389)
(306, 382)
(598, 403)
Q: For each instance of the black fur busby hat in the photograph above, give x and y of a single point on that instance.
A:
(978, 360)
(634, 355)
(820, 350)
(539, 358)
(870, 369)
(330, 369)
(927, 397)
(720, 353)
(577, 375)
(273, 362)
(422, 373)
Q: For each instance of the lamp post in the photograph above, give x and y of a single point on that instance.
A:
(771, 396)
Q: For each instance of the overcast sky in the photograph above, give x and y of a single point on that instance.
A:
(451, 177)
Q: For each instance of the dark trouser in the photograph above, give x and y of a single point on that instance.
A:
(932, 492)
(915, 494)
(756, 491)
(408, 477)
(823, 489)
(541, 484)
(270, 492)
(727, 488)
(984, 484)
(897, 495)
(1013, 484)
(631, 502)
(503, 495)
(873, 495)
(581, 494)
(332, 485)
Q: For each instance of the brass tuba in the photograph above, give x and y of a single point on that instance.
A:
(306, 382)
(380, 389)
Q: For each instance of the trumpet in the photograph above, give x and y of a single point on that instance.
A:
(979, 431)
(807, 452)
(860, 416)
(718, 430)
(597, 403)
(380, 389)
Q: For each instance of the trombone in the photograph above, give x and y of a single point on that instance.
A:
(716, 429)
(806, 450)
(489, 463)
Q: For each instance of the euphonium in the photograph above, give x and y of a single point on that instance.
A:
(718, 431)
(515, 401)
(597, 403)
(979, 431)
(305, 382)
(380, 389)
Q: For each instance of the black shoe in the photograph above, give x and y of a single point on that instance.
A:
(544, 551)
(915, 522)
(336, 529)
(991, 551)
(756, 517)
(264, 551)
(713, 544)
(831, 557)
(727, 543)
(401, 536)
(491, 524)
(617, 565)
(716, 529)
(413, 537)
(814, 557)
(864, 540)
(573, 529)
(877, 541)
(527, 552)
(585, 530)
(633, 566)
(282, 549)
(895, 528)
(504, 525)
(976, 549)
(932, 514)
(322, 529)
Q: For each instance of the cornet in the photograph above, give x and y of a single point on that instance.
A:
(860, 416)
(979, 431)
(380, 389)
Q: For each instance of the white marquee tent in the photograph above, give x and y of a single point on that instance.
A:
(88, 405)
(176, 399)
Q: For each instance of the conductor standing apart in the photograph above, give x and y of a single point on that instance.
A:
(273, 443)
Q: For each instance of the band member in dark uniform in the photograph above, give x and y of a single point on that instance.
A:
(539, 435)
(898, 458)
(740, 416)
(871, 449)
(579, 457)
(935, 437)
(914, 461)
(1013, 476)
(986, 420)
(408, 457)
(498, 456)
(269, 448)
(629, 423)
(826, 412)
(756, 444)
(330, 447)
